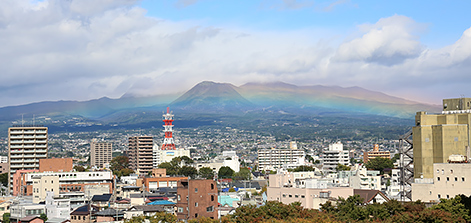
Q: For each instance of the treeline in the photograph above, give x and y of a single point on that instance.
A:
(352, 209)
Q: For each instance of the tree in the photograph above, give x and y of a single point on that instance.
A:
(188, 171)
(453, 206)
(225, 172)
(6, 218)
(79, 168)
(118, 163)
(172, 169)
(4, 179)
(206, 172)
(379, 163)
(304, 168)
(341, 167)
(125, 172)
(243, 174)
(43, 217)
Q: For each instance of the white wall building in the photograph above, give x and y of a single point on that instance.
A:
(230, 159)
(161, 156)
(333, 156)
(272, 159)
(43, 185)
(57, 208)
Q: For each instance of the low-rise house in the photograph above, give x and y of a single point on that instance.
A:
(109, 215)
(146, 210)
(31, 219)
(371, 196)
(84, 214)
(168, 206)
(21, 210)
(101, 201)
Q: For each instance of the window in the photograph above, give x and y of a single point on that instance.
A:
(212, 186)
(196, 204)
(302, 196)
(456, 178)
(196, 215)
(284, 195)
(180, 209)
(447, 179)
(439, 196)
(462, 179)
(210, 209)
(451, 171)
(196, 190)
(447, 196)
(296, 196)
(186, 198)
(179, 197)
(290, 195)
(212, 197)
(438, 178)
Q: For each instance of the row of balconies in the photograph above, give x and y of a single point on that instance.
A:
(28, 151)
(19, 156)
(23, 165)
(13, 146)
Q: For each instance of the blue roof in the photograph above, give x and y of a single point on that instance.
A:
(161, 202)
(227, 189)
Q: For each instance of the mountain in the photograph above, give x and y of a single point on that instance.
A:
(351, 99)
(211, 97)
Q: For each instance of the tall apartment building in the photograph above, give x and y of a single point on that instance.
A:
(437, 136)
(375, 153)
(26, 145)
(270, 159)
(140, 154)
(335, 155)
(100, 153)
(197, 198)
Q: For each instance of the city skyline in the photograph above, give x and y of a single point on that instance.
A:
(81, 50)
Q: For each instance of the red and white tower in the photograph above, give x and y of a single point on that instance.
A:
(168, 140)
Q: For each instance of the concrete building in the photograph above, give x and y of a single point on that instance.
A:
(21, 210)
(333, 156)
(3, 159)
(375, 153)
(56, 165)
(100, 153)
(4, 168)
(437, 136)
(272, 159)
(98, 182)
(154, 183)
(57, 208)
(26, 145)
(140, 154)
(160, 156)
(42, 185)
(449, 180)
(197, 198)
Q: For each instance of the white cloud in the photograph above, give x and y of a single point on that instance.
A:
(388, 42)
(67, 50)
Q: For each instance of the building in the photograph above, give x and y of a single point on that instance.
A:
(140, 154)
(437, 136)
(57, 208)
(21, 210)
(375, 153)
(100, 153)
(3, 159)
(197, 198)
(26, 145)
(154, 183)
(43, 185)
(449, 180)
(271, 159)
(161, 156)
(56, 165)
(98, 182)
(335, 155)
(4, 168)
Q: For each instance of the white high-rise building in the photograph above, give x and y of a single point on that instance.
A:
(271, 159)
(335, 155)
(26, 145)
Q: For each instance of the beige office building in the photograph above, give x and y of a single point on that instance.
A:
(449, 180)
(42, 185)
(100, 153)
(437, 136)
(26, 145)
(140, 154)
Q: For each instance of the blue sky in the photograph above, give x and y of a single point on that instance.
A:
(86, 49)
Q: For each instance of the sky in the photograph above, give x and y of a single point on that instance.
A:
(86, 49)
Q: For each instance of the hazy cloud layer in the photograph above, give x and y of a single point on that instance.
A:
(68, 50)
